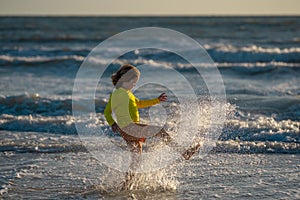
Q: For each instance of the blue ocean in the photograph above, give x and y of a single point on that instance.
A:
(257, 152)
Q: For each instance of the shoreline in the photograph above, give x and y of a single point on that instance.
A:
(70, 175)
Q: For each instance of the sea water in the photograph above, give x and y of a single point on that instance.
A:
(257, 152)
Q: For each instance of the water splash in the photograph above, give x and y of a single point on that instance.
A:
(141, 185)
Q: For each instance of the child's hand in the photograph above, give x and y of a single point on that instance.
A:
(163, 97)
(115, 128)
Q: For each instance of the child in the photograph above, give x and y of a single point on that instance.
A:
(125, 106)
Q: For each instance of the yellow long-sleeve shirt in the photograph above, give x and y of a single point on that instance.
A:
(125, 107)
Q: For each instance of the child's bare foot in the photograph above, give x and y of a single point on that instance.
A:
(191, 151)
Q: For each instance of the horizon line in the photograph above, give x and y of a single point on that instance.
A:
(149, 15)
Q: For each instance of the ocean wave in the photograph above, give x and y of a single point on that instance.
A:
(32, 142)
(219, 53)
(217, 47)
(61, 38)
(6, 59)
(232, 54)
(232, 146)
(253, 106)
(226, 53)
(262, 129)
(34, 104)
(29, 104)
(247, 68)
(243, 55)
(50, 124)
(252, 48)
(258, 64)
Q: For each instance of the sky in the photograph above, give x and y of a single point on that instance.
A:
(149, 7)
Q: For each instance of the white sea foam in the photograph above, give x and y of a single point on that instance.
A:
(33, 59)
(220, 53)
(251, 48)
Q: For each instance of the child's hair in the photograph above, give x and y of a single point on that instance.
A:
(119, 76)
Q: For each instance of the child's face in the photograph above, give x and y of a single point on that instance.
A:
(130, 84)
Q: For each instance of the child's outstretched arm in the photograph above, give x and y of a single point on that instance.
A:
(151, 102)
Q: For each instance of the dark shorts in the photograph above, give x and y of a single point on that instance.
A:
(129, 138)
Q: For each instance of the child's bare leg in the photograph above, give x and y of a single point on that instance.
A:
(136, 150)
(168, 140)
